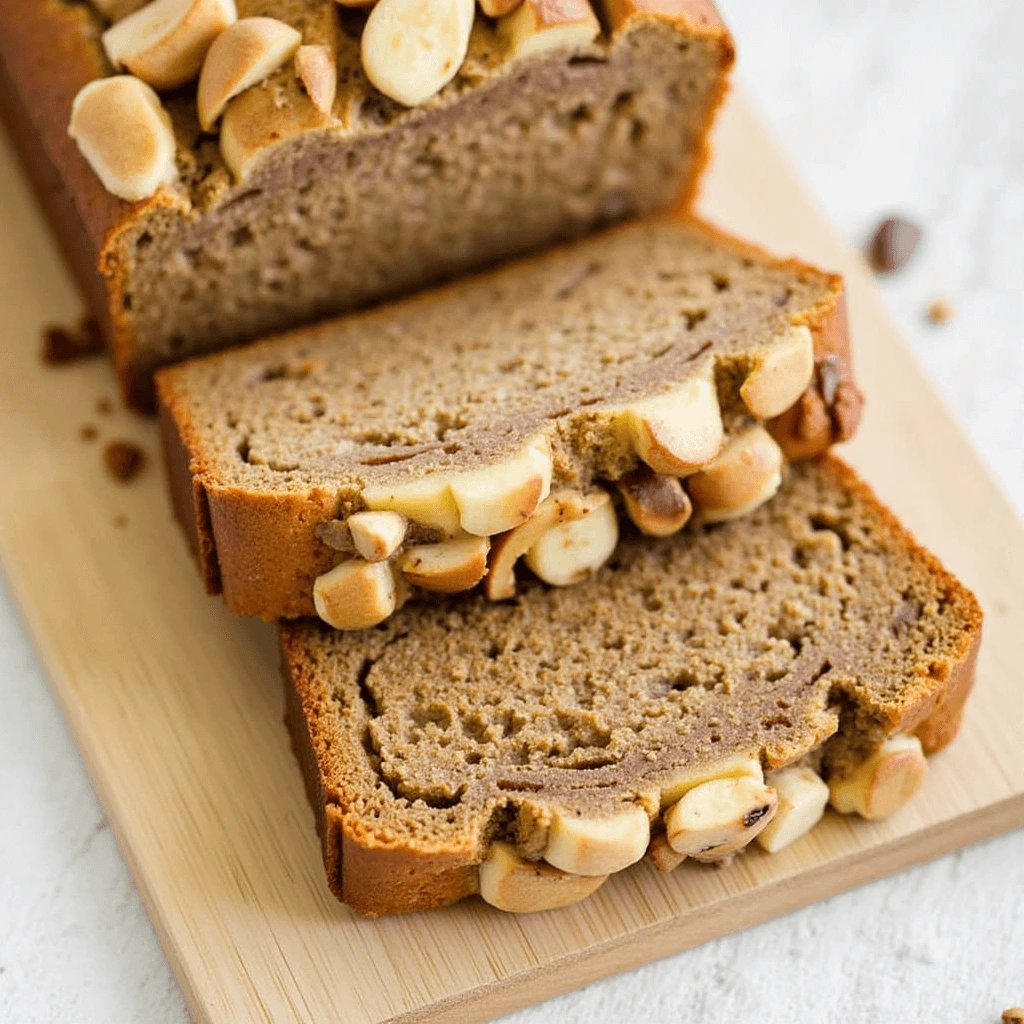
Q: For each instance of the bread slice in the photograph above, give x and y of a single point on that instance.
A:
(506, 399)
(525, 750)
(287, 213)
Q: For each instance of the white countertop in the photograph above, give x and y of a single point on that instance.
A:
(919, 111)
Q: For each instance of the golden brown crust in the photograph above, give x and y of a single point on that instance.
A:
(264, 550)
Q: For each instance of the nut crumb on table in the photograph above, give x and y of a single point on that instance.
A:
(1014, 1015)
(104, 406)
(124, 460)
(87, 432)
(63, 345)
(893, 244)
(941, 310)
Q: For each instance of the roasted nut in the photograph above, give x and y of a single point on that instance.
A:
(427, 501)
(164, 43)
(256, 123)
(536, 26)
(412, 49)
(569, 552)
(115, 10)
(509, 882)
(746, 473)
(448, 567)
(781, 373)
(718, 818)
(741, 766)
(498, 8)
(657, 504)
(125, 134)
(355, 594)
(508, 548)
(243, 56)
(377, 535)
(882, 783)
(677, 432)
(500, 497)
(317, 70)
(662, 856)
(802, 798)
(597, 846)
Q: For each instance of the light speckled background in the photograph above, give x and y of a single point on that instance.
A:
(920, 110)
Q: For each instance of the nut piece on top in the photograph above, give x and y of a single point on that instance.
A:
(124, 132)
(356, 594)
(780, 375)
(317, 70)
(536, 26)
(802, 800)
(747, 472)
(447, 567)
(411, 49)
(657, 504)
(717, 819)
(377, 535)
(883, 782)
(243, 56)
(597, 846)
(511, 883)
(164, 43)
(569, 552)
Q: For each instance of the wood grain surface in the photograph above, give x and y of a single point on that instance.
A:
(177, 707)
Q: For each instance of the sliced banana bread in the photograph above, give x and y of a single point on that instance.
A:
(330, 469)
(316, 192)
(695, 694)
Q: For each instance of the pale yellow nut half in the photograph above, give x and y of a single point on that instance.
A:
(739, 766)
(536, 26)
(569, 552)
(884, 782)
(716, 819)
(377, 535)
(498, 8)
(662, 856)
(115, 10)
(511, 883)
(317, 69)
(679, 431)
(745, 474)
(165, 42)
(125, 134)
(447, 567)
(411, 49)
(507, 548)
(243, 56)
(782, 371)
(356, 594)
(427, 501)
(501, 496)
(802, 798)
(597, 846)
(657, 504)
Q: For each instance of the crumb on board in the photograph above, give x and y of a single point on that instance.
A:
(63, 345)
(104, 406)
(124, 460)
(941, 310)
(87, 432)
(1014, 1015)
(893, 244)
(120, 521)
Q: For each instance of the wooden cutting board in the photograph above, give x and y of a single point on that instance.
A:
(177, 707)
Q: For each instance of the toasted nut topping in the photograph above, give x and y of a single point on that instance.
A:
(427, 501)
(448, 567)
(355, 594)
(508, 548)
(377, 535)
(536, 26)
(500, 497)
(125, 134)
(597, 846)
(718, 818)
(802, 798)
(412, 49)
(680, 431)
(248, 52)
(115, 10)
(569, 552)
(317, 69)
(662, 856)
(884, 782)
(738, 767)
(780, 375)
(657, 504)
(498, 8)
(509, 882)
(747, 472)
(164, 43)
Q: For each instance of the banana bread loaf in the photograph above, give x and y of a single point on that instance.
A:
(693, 695)
(506, 407)
(317, 192)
